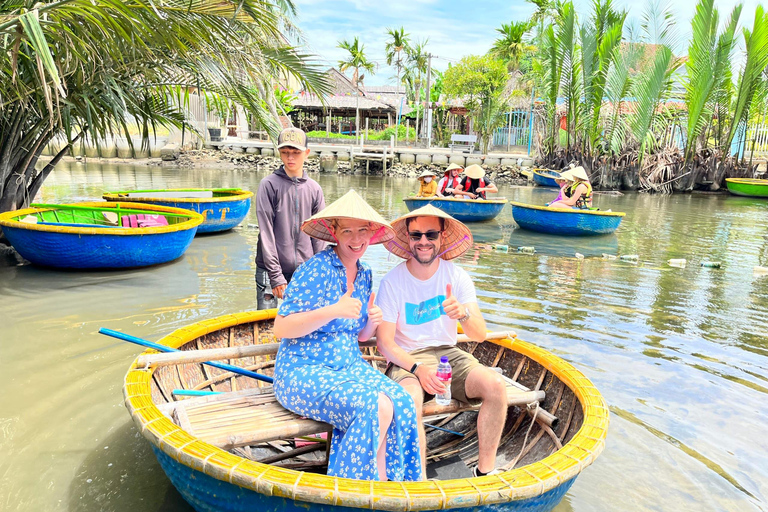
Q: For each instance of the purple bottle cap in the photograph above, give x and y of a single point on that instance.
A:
(444, 359)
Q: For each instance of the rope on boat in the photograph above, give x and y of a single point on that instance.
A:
(535, 407)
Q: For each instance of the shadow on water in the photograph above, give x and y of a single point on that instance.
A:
(558, 245)
(123, 477)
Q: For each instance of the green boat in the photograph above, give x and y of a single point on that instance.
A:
(747, 187)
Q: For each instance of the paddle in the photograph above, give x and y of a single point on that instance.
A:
(163, 348)
(104, 209)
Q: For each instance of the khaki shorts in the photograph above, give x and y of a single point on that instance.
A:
(461, 364)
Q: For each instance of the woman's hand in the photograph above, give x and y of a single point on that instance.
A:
(375, 316)
(348, 306)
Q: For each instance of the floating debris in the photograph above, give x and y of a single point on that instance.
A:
(679, 262)
(761, 271)
(501, 247)
(253, 226)
(579, 256)
(609, 256)
(710, 264)
(632, 258)
(527, 249)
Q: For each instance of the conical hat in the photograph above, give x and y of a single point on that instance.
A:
(566, 175)
(452, 167)
(456, 239)
(427, 173)
(579, 172)
(474, 171)
(348, 206)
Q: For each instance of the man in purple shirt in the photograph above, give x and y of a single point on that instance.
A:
(285, 199)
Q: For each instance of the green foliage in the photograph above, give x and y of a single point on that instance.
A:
(385, 134)
(510, 47)
(356, 60)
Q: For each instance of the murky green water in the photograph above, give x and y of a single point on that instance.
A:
(681, 355)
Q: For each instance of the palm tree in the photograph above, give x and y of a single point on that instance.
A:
(356, 61)
(417, 60)
(88, 69)
(395, 45)
(510, 47)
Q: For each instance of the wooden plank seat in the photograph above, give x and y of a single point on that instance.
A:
(252, 416)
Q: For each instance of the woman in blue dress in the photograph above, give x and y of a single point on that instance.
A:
(320, 372)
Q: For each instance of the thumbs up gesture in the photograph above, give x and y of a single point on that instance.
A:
(452, 307)
(348, 306)
(375, 316)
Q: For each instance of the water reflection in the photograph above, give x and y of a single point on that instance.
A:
(681, 354)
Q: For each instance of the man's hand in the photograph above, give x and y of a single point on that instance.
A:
(279, 290)
(375, 316)
(349, 307)
(428, 379)
(451, 305)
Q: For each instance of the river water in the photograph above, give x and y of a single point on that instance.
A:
(680, 354)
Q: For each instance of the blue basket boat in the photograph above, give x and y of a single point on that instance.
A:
(464, 210)
(213, 448)
(222, 208)
(545, 177)
(87, 235)
(562, 221)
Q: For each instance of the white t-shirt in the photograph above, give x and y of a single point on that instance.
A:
(415, 306)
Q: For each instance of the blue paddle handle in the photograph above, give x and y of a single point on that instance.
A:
(163, 348)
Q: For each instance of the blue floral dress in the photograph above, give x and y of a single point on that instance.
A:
(323, 376)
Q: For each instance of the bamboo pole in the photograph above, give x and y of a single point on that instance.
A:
(102, 209)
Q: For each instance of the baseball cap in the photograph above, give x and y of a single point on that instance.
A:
(293, 138)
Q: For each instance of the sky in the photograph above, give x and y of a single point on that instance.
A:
(454, 28)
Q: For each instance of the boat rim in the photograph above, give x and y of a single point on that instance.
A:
(539, 169)
(499, 200)
(9, 219)
(747, 181)
(567, 210)
(237, 195)
(524, 482)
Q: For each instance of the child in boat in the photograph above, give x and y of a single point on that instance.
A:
(580, 196)
(564, 181)
(320, 372)
(427, 184)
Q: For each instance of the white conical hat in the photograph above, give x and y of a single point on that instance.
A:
(456, 239)
(579, 172)
(348, 206)
(474, 172)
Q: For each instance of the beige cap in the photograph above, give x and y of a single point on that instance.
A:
(579, 172)
(292, 138)
(348, 206)
(456, 239)
(474, 171)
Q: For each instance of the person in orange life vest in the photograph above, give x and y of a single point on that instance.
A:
(581, 192)
(475, 185)
(450, 181)
(427, 184)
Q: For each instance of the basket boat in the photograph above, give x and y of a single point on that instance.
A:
(464, 210)
(747, 187)
(217, 465)
(545, 177)
(82, 236)
(565, 221)
(222, 208)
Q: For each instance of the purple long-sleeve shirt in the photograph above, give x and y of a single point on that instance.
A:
(282, 204)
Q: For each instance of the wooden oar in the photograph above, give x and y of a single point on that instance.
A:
(265, 349)
(104, 209)
(163, 348)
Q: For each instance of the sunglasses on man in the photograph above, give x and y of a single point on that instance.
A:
(431, 235)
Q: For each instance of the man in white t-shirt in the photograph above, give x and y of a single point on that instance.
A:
(422, 300)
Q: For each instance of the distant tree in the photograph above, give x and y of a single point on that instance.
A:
(480, 82)
(397, 43)
(414, 73)
(356, 61)
(510, 47)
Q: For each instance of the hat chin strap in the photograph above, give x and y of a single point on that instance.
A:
(322, 221)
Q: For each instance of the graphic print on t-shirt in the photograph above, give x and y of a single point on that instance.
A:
(423, 312)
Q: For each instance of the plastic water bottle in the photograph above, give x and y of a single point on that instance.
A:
(609, 256)
(501, 247)
(710, 264)
(633, 258)
(526, 249)
(579, 256)
(676, 262)
(444, 374)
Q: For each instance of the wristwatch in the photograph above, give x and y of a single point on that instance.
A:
(466, 315)
(414, 367)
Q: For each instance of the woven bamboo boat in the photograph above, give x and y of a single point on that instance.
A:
(747, 187)
(222, 208)
(464, 210)
(565, 221)
(89, 235)
(545, 177)
(208, 446)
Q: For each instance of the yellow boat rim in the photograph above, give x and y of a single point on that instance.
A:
(748, 181)
(524, 482)
(567, 210)
(495, 200)
(236, 196)
(11, 220)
